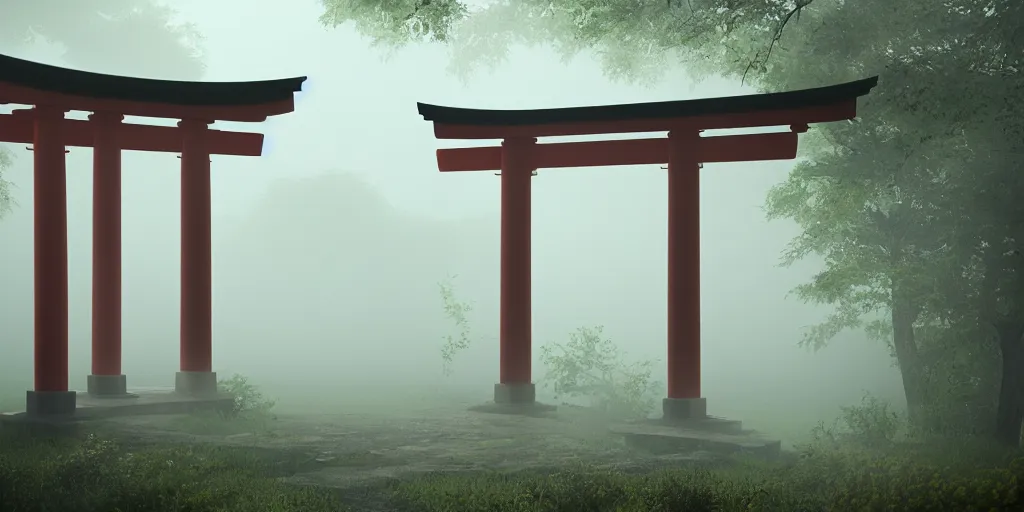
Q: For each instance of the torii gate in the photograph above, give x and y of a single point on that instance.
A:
(684, 150)
(53, 91)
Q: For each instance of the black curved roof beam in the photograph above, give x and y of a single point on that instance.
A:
(32, 83)
(49, 78)
(820, 104)
(655, 110)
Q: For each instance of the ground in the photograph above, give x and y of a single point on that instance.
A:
(436, 457)
(357, 450)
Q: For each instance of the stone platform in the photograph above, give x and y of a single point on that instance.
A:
(138, 402)
(707, 434)
(535, 409)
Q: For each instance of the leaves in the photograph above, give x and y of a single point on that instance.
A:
(591, 366)
(393, 23)
(6, 201)
(457, 312)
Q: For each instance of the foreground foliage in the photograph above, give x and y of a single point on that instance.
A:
(825, 477)
(89, 473)
(866, 460)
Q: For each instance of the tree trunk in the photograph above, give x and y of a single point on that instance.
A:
(904, 314)
(1010, 411)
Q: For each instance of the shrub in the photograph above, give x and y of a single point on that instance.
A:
(248, 397)
(870, 423)
(591, 367)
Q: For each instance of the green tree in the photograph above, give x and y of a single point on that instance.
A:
(910, 207)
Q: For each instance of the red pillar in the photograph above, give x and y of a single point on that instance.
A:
(196, 293)
(51, 252)
(106, 378)
(683, 267)
(515, 332)
(51, 395)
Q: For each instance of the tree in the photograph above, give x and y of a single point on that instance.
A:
(95, 33)
(905, 205)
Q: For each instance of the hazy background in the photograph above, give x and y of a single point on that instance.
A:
(328, 250)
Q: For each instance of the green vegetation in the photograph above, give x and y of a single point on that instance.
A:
(591, 367)
(248, 397)
(457, 312)
(822, 479)
(91, 473)
(859, 463)
(251, 413)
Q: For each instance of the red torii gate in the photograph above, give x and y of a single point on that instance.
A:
(684, 150)
(53, 91)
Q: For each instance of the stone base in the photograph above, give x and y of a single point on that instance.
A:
(683, 409)
(49, 404)
(665, 438)
(103, 386)
(196, 383)
(515, 393)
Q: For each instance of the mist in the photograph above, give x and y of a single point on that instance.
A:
(328, 250)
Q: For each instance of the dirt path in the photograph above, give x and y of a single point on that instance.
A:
(358, 450)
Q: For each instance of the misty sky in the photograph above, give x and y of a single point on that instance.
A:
(324, 267)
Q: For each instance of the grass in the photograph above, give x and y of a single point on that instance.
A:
(91, 472)
(919, 478)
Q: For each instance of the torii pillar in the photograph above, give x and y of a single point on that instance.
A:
(106, 378)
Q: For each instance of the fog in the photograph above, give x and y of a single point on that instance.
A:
(328, 250)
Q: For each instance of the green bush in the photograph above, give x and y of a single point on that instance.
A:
(248, 397)
(590, 366)
(872, 422)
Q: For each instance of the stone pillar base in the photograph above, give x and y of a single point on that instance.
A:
(107, 386)
(681, 409)
(48, 404)
(515, 393)
(196, 383)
